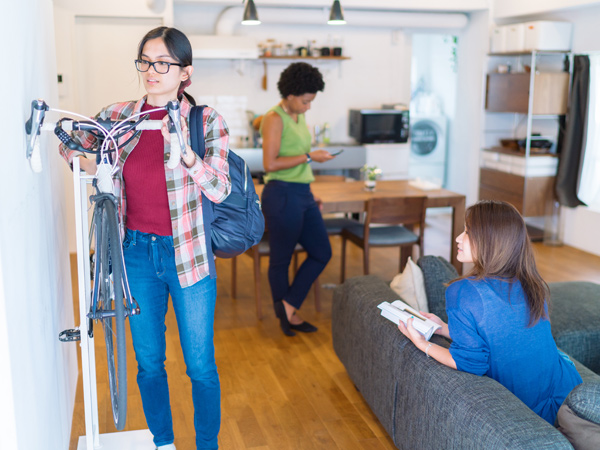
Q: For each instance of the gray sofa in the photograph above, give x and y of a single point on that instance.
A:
(425, 405)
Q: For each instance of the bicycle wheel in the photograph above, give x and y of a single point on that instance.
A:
(110, 279)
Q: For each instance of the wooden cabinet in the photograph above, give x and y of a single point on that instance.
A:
(528, 194)
(509, 92)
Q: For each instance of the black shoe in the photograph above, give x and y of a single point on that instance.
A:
(284, 323)
(304, 327)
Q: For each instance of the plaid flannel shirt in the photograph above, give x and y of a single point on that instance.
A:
(211, 176)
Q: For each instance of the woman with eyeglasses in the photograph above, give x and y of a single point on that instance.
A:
(164, 245)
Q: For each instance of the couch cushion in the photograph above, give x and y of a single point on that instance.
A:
(436, 273)
(575, 320)
(410, 286)
(579, 416)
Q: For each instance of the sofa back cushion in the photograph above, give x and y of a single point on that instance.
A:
(437, 272)
(575, 320)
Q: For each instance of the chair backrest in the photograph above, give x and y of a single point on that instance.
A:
(396, 210)
(326, 178)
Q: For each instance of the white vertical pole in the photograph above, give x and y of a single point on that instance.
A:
(530, 104)
(88, 361)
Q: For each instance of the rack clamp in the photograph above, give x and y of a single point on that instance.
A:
(70, 335)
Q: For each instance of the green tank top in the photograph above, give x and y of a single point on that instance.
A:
(295, 140)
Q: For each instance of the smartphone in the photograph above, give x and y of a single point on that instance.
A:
(337, 153)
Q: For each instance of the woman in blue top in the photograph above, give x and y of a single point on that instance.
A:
(498, 313)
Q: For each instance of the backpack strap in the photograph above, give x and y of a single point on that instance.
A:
(196, 126)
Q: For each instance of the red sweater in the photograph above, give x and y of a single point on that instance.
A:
(145, 183)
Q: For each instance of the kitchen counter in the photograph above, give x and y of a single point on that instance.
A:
(353, 157)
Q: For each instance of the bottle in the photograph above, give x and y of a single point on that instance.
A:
(326, 133)
(314, 51)
(552, 224)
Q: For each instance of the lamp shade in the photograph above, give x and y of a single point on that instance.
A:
(250, 14)
(336, 16)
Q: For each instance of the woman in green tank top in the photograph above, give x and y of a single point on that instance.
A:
(291, 213)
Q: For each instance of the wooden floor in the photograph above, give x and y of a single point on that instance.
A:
(280, 392)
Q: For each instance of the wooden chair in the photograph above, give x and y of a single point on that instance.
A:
(399, 215)
(260, 250)
(329, 178)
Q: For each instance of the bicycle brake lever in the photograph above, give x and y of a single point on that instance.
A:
(32, 128)
(175, 115)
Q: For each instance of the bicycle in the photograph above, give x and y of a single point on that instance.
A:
(111, 300)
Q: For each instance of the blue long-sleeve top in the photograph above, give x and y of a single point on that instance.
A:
(487, 320)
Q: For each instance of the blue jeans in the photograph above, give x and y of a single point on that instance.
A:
(292, 216)
(152, 274)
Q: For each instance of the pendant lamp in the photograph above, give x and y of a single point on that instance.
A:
(336, 16)
(250, 14)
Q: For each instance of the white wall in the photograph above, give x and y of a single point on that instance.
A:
(378, 71)
(98, 42)
(465, 134)
(580, 225)
(35, 288)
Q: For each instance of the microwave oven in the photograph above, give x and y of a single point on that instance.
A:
(373, 126)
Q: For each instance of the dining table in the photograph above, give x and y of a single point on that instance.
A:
(351, 197)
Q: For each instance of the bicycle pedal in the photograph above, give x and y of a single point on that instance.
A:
(70, 335)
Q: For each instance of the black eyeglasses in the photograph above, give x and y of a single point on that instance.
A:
(161, 67)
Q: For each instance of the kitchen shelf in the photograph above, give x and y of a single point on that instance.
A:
(326, 58)
(529, 53)
(521, 153)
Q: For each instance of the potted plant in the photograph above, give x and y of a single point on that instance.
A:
(371, 173)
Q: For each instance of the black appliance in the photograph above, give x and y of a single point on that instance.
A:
(373, 126)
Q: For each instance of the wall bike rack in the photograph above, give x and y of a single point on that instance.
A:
(93, 440)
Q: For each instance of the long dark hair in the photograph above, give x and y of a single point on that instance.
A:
(179, 48)
(501, 248)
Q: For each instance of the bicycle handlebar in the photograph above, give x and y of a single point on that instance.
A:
(103, 129)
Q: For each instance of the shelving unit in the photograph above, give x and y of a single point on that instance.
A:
(287, 58)
(533, 92)
(326, 58)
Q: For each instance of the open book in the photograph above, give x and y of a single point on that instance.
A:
(399, 311)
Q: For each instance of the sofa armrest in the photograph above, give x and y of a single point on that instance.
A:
(367, 343)
(438, 407)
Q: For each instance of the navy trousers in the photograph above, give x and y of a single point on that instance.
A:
(292, 216)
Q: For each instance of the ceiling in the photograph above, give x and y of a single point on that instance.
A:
(390, 5)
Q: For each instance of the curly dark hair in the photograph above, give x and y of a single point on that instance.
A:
(300, 78)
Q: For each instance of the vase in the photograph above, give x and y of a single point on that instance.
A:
(370, 185)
